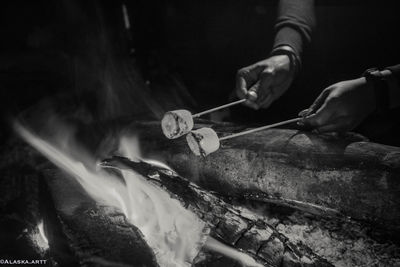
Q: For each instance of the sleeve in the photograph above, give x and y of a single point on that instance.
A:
(295, 23)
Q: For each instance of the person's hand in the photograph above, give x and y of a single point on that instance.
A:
(269, 78)
(340, 107)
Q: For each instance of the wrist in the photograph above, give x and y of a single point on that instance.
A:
(287, 50)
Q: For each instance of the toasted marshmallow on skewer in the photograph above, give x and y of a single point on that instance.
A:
(176, 123)
(203, 141)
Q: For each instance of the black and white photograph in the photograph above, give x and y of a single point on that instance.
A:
(200, 133)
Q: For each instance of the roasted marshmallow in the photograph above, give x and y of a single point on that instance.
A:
(203, 141)
(176, 123)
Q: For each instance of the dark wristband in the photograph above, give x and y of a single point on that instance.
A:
(295, 62)
(381, 89)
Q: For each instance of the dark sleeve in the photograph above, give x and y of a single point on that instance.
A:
(295, 22)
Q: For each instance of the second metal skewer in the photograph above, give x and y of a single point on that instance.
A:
(250, 95)
(260, 128)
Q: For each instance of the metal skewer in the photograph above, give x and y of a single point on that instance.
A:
(260, 129)
(218, 108)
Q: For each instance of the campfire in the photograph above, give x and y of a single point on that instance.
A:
(176, 222)
(174, 233)
(108, 181)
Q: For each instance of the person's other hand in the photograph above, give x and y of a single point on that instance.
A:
(269, 78)
(340, 107)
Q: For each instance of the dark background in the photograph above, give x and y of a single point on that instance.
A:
(57, 47)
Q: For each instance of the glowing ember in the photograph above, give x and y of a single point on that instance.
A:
(175, 234)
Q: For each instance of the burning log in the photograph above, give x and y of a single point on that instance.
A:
(236, 227)
(321, 174)
(90, 234)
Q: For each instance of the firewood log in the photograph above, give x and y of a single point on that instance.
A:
(90, 234)
(322, 174)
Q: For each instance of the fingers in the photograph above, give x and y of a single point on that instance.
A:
(328, 108)
(319, 101)
(241, 87)
(267, 101)
(319, 111)
(245, 78)
(321, 117)
(252, 95)
(266, 82)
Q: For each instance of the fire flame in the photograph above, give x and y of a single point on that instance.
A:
(175, 234)
(42, 233)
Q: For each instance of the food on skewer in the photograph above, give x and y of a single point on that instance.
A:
(203, 141)
(176, 123)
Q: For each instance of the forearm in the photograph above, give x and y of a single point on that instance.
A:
(294, 25)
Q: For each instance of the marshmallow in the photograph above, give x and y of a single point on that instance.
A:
(176, 123)
(203, 141)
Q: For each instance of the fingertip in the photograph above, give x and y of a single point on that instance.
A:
(252, 95)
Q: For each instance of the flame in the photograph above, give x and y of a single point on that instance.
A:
(42, 233)
(38, 236)
(174, 233)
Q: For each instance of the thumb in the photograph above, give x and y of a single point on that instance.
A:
(317, 104)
